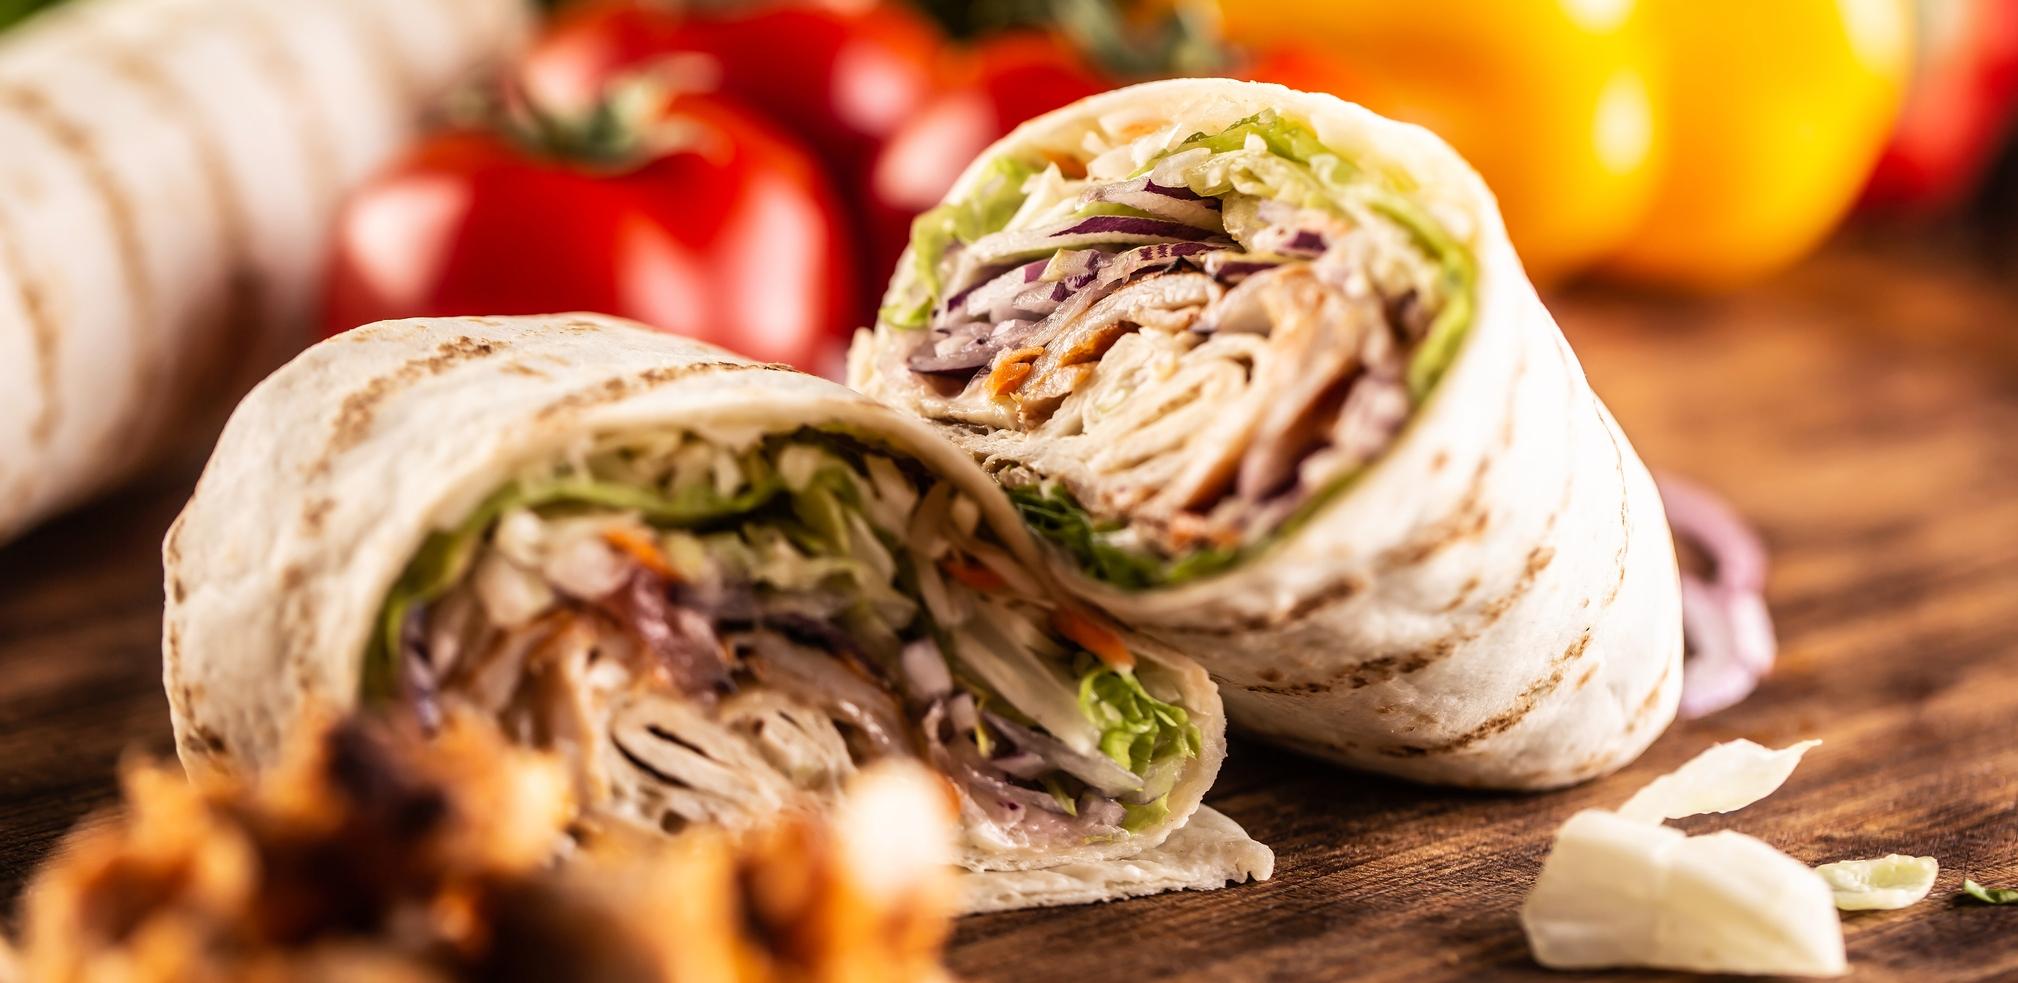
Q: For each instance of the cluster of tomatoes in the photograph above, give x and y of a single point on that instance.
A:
(757, 200)
(763, 201)
(760, 205)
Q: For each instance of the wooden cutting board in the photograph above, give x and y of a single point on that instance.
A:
(1863, 410)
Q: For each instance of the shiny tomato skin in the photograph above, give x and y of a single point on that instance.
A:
(1003, 82)
(733, 238)
(841, 77)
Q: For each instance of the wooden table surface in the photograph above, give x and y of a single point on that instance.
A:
(1863, 410)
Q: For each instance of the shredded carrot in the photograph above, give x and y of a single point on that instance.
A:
(641, 549)
(1007, 376)
(979, 576)
(1069, 166)
(1094, 636)
(1011, 370)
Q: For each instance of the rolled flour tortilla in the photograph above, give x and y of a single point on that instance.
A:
(717, 587)
(1264, 371)
(170, 172)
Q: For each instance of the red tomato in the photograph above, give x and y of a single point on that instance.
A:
(1006, 80)
(840, 76)
(1959, 107)
(731, 237)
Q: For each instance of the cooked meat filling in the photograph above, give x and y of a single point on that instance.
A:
(711, 633)
(1189, 349)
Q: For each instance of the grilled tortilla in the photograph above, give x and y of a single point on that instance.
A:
(1263, 370)
(170, 173)
(717, 588)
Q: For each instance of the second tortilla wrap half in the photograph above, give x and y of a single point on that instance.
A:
(717, 586)
(1263, 369)
(170, 175)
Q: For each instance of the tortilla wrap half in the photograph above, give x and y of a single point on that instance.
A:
(171, 171)
(717, 587)
(1263, 370)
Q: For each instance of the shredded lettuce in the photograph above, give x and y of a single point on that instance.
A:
(793, 512)
(1295, 167)
(444, 557)
(983, 742)
(1285, 138)
(988, 209)
(1136, 818)
(1446, 334)
(1053, 513)
(1137, 730)
(1300, 169)
(1034, 683)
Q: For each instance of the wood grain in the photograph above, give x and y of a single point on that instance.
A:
(1864, 410)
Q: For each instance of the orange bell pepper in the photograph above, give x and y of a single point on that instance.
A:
(1551, 100)
(1775, 113)
(1696, 143)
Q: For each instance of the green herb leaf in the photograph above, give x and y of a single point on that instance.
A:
(1990, 895)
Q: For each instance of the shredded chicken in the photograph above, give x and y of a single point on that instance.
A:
(752, 661)
(1196, 389)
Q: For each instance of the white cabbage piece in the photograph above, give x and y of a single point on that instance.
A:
(1725, 778)
(1619, 889)
(1620, 892)
(1892, 881)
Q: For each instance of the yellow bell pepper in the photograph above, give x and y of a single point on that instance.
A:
(1696, 143)
(1552, 101)
(1775, 113)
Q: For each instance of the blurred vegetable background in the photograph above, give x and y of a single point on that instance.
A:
(14, 10)
(746, 170)
(758, 186)
(1693, 145)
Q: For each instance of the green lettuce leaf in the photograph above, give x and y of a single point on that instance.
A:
(1285, 138)
(444, 557)
(1990, 895)
(1300, 169)
(1297, 167)
(1137, 730)
(988, 209)
(1136, 818)
(1053, 513)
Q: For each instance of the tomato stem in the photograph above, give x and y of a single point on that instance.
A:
(628, 124)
